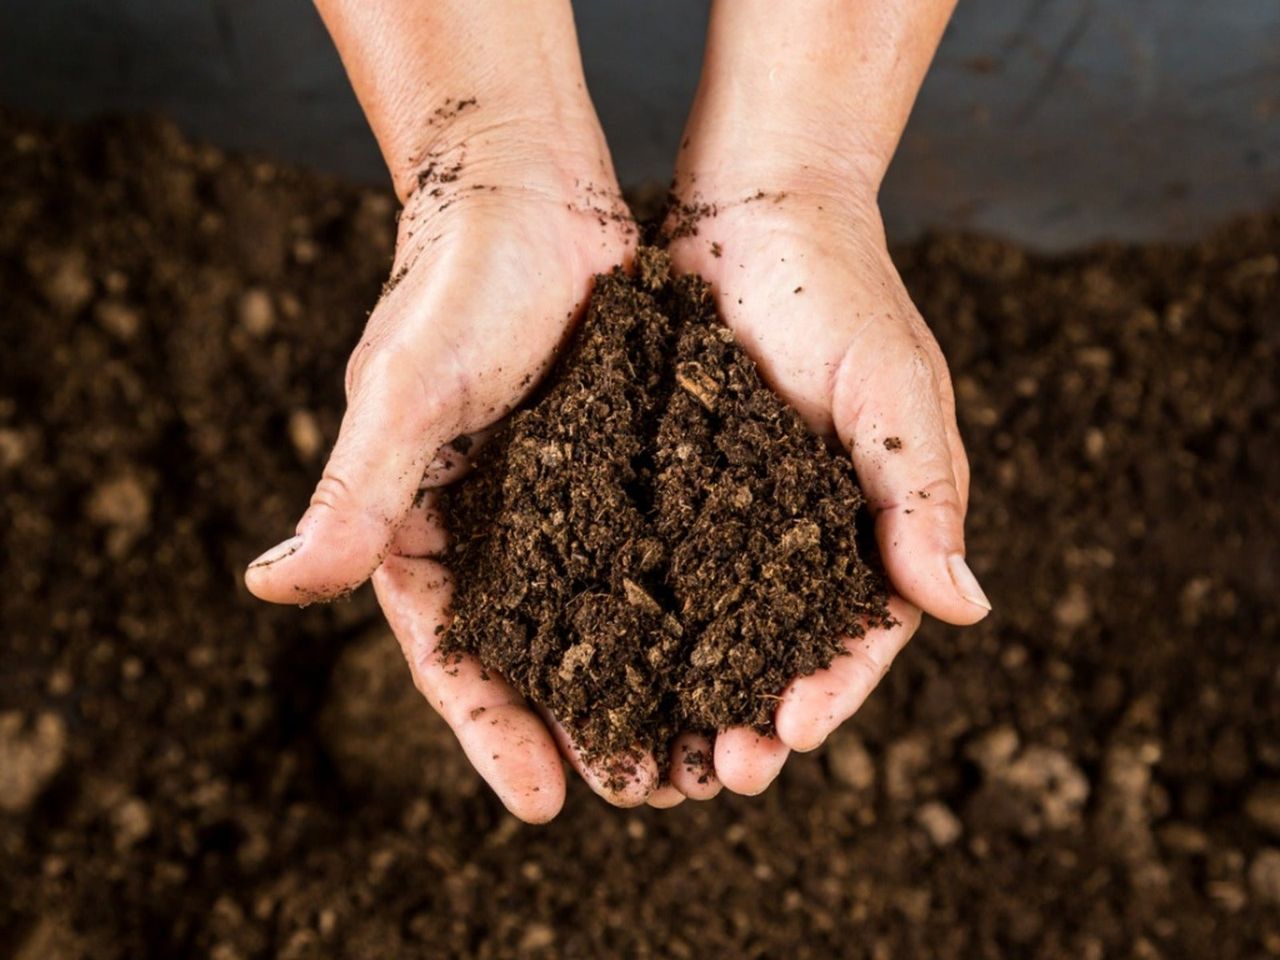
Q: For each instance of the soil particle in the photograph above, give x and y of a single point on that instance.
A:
(1073, 610)
(1030, 789)
(658, 544)
(939, 823)
(131, 821)
(13, 449)
(537, 937)
(256, 312)
(121, 502)
(700, 762)
(51, 938)
(123, 505)
(906, 760)
(1126, 809)
(683, 217)
(31, 754)
(1264, 876)
(118, 319)
(305, 434)
(849, 761)
(376, 731)
(1262, 806)
(64, 278)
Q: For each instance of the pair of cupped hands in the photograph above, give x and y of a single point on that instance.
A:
(494, 265)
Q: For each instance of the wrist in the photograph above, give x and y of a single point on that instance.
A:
(497, 140)
(452, 76)
(815, 88)
(733, 151)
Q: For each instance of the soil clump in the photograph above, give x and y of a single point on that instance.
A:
(659, 543)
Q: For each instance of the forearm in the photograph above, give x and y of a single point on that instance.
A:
(824, 85)
(430, 74)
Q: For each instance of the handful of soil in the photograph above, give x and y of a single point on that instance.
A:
(658, 544)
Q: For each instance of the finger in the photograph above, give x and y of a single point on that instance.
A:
(693, 770)
(393, 427)
(504, 739)
(888, 411)
(947, 399)
(815, 705)
(625, 780)
(666, 797)
(959, 467)
(455, 459)
(422, 534)
(747, 762)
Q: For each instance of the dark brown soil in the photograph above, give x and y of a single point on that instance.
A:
(1092, 772)
(659, 544)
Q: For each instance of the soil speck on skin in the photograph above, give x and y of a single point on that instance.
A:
(683, 216)
(658, 544)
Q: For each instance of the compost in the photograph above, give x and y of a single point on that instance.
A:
(658, 544)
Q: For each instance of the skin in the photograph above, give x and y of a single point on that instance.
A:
(807, 102)
(494, 262)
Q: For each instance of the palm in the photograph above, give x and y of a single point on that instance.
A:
(487, 292)
(806, 283)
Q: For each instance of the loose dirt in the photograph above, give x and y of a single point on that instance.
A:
(658, 544)
(1094, 771)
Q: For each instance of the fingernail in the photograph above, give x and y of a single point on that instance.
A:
(277, 553)
(965, 582)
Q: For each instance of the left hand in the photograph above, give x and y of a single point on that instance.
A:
(803, 276)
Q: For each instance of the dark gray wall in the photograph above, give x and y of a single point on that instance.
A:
(1053, 121)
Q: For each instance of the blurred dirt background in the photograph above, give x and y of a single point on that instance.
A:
(1092, 772)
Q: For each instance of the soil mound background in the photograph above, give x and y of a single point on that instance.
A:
(1093, 771)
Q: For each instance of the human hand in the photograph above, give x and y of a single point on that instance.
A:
(511, 207)
(489, 276)
(797, 115)
(802, 274)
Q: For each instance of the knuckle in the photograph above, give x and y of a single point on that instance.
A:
(940, 493)
(963, 474)
(420, 672)
(356, 364)
(867, 672)
(899, 375)
(909, 622)
(927, 361)
(378, 364)
(943, 504)
(333, 492)
(418, 658)
(383, 367)
(404, 392)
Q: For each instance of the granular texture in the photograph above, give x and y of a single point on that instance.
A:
(659, 543)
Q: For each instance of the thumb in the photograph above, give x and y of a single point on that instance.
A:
(888, 411)
(393, 427)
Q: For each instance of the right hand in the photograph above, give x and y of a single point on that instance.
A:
(494, 263)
